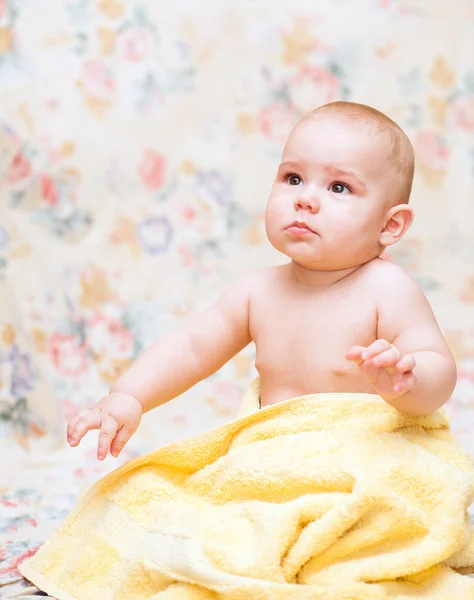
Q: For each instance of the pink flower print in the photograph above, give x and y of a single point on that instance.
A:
(97, 81)
(3, 8)
(226, 397)
(7, 504)
(276, 122)
(463, 113)
(312, 87)
(67, 354)
(108, 337)
(134, 44)
(49, 194)
(152, 170)
(189, 214)
(20, 168)
(431, 149)
(15, 561)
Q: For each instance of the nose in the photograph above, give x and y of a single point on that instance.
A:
(307, 201)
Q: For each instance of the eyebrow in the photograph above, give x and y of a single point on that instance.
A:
(292, 164)
(344, 172)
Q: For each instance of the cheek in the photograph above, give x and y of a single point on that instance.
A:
(276, 209)
(354, 227)
(345, 224)
(271, 221)
(276, 217)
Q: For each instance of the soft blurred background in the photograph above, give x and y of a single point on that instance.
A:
(138, 143)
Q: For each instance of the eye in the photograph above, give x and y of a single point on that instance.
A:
(340, 188)
(293, 179)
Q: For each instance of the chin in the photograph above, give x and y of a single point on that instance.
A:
(318, 262)
(308, 260)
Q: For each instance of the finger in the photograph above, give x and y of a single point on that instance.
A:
(108, 430)
(375, 348)
(370, 372)
(406, 363)
(389, 358)
(119, 441)
(355, 353)
(71, 426)
(74, 420)
(405, 382)
(87, 420)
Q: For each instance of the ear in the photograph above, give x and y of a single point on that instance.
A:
(397, 221)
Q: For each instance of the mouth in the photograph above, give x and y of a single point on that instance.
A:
(300, 228)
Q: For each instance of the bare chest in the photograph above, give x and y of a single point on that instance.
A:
(301, 342)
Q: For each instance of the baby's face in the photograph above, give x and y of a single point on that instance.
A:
(334, 179)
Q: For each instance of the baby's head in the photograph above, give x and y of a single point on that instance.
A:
(346, 173)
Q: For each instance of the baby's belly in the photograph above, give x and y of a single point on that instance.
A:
(278, 384)
(296, 358)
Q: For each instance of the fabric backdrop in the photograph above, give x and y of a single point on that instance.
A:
(138, 143)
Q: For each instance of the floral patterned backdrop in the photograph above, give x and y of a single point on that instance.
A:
(138, 142)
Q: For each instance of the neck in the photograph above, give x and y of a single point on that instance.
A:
(313, 278)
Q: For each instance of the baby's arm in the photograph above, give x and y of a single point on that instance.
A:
(410, 365)
(179, 360)
(168, 368)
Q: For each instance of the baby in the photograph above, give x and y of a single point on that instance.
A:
(337, 317)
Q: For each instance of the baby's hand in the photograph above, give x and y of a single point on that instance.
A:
(385, 368)
(117, 416)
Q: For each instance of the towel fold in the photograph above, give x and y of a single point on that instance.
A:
(322, 496)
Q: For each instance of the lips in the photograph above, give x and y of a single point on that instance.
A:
(300, 228)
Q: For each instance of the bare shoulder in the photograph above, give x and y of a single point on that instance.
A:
(401, 303)
(388, 280)
(250, 284)
(382, 269)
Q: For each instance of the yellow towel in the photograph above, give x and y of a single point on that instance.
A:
(325, 496)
